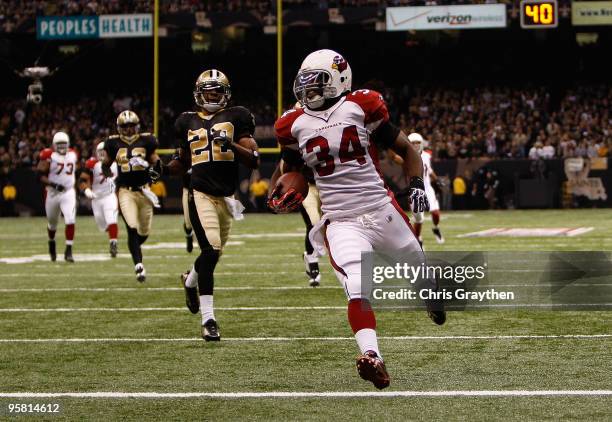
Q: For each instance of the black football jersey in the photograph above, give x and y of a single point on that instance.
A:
(214, 169)
(121, 151)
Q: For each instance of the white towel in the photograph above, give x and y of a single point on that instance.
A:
(235, 208)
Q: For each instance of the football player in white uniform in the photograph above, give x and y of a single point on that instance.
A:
(57, 167)
(428, 176)
(101, 190)
(335, 135)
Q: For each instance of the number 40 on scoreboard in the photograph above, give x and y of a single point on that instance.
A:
(539, 14)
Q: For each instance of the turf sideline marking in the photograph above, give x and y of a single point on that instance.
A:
(324, 394)
(289, 339)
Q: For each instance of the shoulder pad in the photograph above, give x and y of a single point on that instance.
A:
(45, 154)
(282, 127)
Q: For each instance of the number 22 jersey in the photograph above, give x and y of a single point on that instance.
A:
(214, 169)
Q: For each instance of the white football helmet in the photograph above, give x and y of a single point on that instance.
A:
(324, 74)
(100, 153)
(417, 141)
(61, 141)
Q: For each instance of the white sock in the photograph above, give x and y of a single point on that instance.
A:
(192, 278)
(366, 340)
(69, 242)
(206, 307)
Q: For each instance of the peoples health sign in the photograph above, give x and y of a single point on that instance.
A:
(446, 17)
(103, 26)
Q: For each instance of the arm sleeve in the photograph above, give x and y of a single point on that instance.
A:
(386, 134)
(291, 157)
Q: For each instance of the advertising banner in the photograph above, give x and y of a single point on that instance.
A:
(592, 13)
(66, 27)
(103, 26)
(446, 17)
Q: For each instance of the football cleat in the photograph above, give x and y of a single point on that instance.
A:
(191, 295)
(210, 331)
(371, 368)
(113, 249)
(438, 317)
(312, 270)
(438, 234)
(52, 251)
(189, 240)
(141, 274)
(420, 240)
(68, 254)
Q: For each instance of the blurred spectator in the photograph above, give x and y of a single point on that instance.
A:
(259, 191)
(9, 194)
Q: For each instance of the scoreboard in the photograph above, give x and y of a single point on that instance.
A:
(539, 14)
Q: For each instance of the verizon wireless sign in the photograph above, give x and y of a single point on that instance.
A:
(423, 18)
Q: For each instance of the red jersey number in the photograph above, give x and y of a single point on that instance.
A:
(350, 149)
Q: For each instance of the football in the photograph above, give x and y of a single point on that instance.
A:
(294, 180)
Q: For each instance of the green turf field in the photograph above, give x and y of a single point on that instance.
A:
(281, 336)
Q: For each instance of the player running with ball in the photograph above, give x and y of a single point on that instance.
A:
(336, 134)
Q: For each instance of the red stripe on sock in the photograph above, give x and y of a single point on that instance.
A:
(331, 258)
(69, 231)
(360, 315)
(113, 231)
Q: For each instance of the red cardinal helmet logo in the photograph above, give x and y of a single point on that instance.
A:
(339, 64)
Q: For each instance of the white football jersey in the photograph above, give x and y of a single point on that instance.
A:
(426, 158)
(62, 167)
(101, 185)
(335, 143)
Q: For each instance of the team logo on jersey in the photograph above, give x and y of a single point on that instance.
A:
(339, 64)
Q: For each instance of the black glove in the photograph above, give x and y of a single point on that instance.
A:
(57, 187)
(156, 171)
(418, 198)
(220, 137)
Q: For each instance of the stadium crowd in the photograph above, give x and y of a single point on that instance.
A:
(496, 122)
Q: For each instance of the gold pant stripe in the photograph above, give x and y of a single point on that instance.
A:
(312, 204)
(185, 201)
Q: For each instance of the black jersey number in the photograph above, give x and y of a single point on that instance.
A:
(198, 143)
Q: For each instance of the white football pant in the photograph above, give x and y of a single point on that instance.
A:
(384, 230)
(105, 210)
(56, 202)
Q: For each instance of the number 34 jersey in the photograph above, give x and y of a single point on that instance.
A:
(214, 169)
(122, 151)
(336, 143)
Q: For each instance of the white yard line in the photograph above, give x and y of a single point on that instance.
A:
(291, 339)
(154, 289)
(303, 308)
(152, 274)
(172, 309)
(309, 394)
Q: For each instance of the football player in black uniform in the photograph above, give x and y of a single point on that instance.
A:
(137, 163)
(212, 141)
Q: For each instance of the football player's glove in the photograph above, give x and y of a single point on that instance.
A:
(418, 198)
(285, 203)
(138, 162)
(221, 138)
(57, 187)
(89, 193)
(156, 171)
